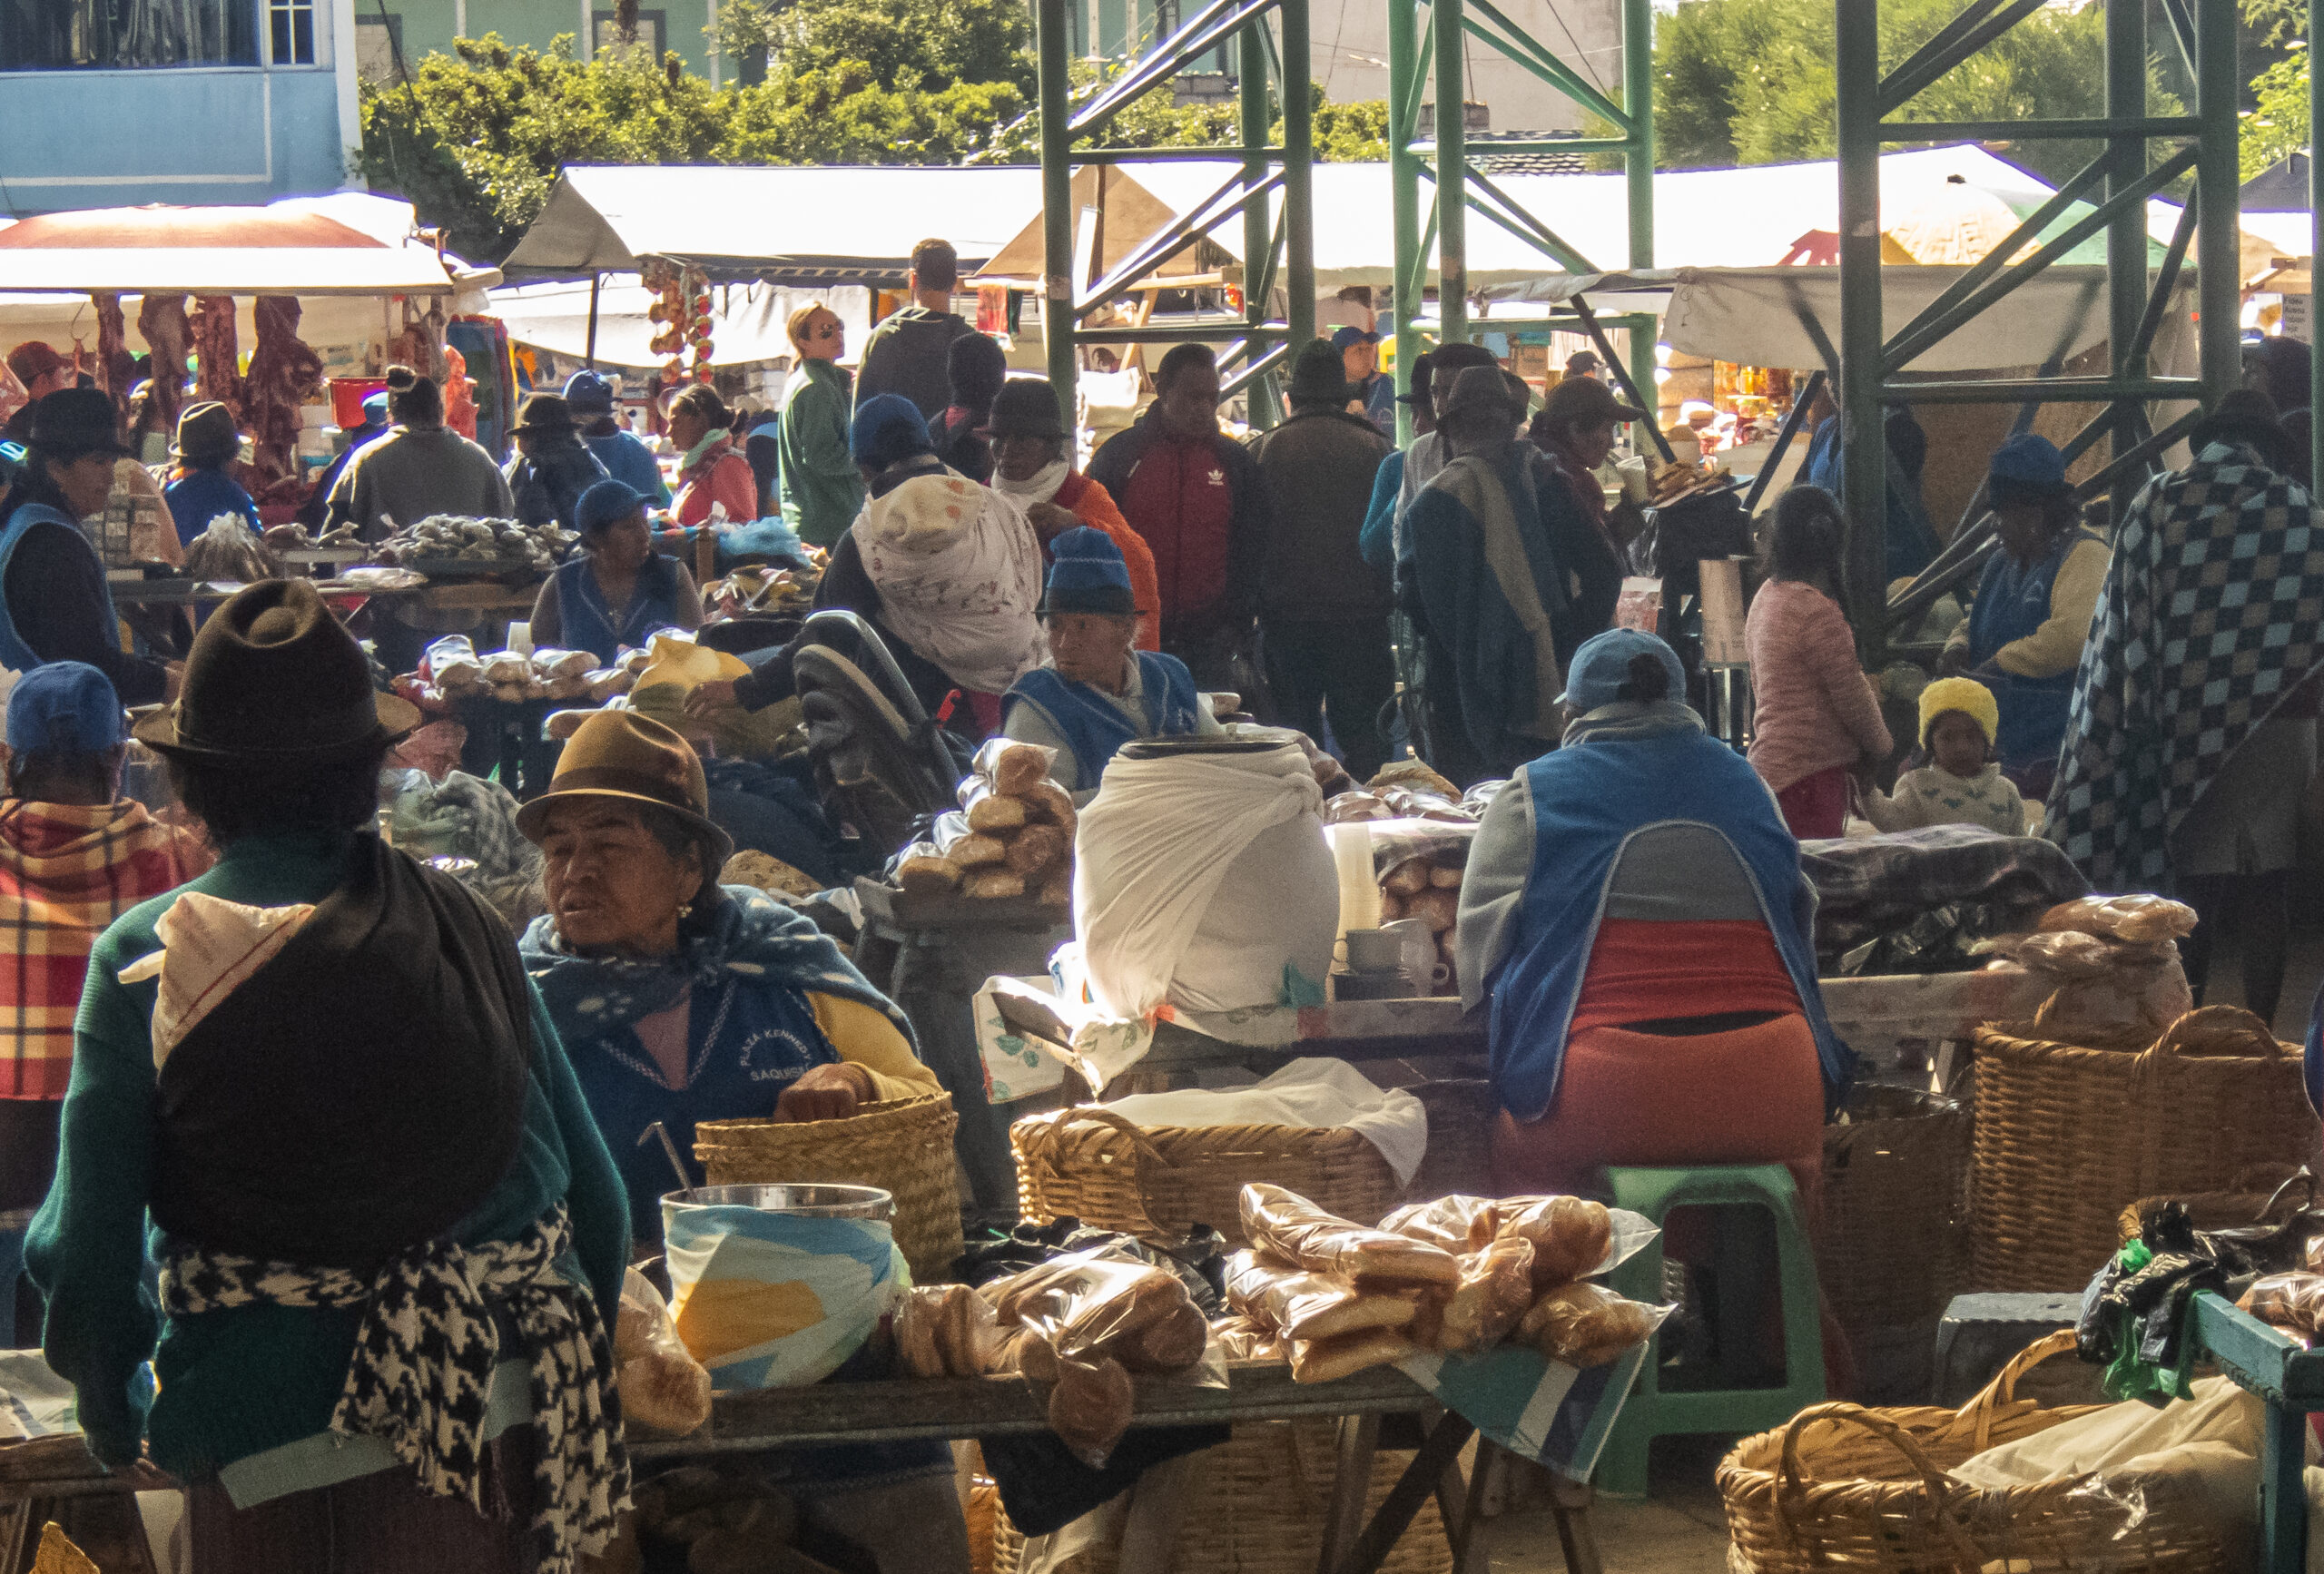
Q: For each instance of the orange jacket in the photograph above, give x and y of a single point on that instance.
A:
(1095, 507)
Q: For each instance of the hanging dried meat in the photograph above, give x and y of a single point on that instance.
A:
(115, 368)
(459, 394)
(216, 376)
(163, 323)
(284, 374)
(420, 345)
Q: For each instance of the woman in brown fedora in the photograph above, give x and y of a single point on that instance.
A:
(682, 1001)
(319, 1067)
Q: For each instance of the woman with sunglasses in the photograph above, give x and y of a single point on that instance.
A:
(822, 489)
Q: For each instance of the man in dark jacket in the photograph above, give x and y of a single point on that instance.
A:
(908, 353)
(1196, 497)
(1322, 610)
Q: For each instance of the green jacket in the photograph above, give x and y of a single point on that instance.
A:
(238, 1383)
(822, 491)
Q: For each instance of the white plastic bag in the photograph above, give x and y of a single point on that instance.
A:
(1205, 881)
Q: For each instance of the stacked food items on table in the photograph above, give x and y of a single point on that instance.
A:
(227, 550)
(1012, 835)
(450, 543)
(450, 672)
(1419, 827)
(296, 537)
(2113, 961)
(763, 590)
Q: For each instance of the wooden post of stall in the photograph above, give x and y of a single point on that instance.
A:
(589, 351)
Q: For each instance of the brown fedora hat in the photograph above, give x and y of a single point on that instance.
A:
(273, 678)
(624, 755)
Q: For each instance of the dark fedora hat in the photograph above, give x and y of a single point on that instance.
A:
(76, 421)
(274, 679)
(1026, 406)
(206, 434)
(544, 412)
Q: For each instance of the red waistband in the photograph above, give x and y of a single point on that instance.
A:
(1643, 970)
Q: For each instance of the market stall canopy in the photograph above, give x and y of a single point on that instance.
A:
(1786, 315)
(1127, 215)
(349, 243)
(747, 321)
(792, 225)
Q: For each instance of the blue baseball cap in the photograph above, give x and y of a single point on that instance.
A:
(606, 503)
(69, 707)
(375, 409)
(1351, 334)
(1602, 665)
(588, 394)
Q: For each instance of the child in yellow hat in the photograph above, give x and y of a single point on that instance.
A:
(1961, 784)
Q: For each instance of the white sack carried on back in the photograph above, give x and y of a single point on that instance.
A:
(1205, 881)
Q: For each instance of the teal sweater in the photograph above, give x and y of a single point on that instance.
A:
(237, 1383)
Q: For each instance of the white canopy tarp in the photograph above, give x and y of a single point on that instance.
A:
(748, 322)
(1761, 316)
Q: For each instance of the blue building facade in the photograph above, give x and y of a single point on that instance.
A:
(108, 103)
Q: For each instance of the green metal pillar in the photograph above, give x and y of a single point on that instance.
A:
(1298, 176)
(1403, 198)
(1451, 173)
(2126, 271)
(1637, 166)
(1864, 474)
(2218, 256)
(1057, 204)
(1258, 233)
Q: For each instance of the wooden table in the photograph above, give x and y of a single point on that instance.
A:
(2265, 1362)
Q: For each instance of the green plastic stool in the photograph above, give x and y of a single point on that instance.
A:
(1651, 1413)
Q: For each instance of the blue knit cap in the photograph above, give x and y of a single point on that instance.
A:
(605, 504)
(888, 430)
(67, 707)
(1602, 665)
(1087, 574)
(2026, 467)
(588, 394)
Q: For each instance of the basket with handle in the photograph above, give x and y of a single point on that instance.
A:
(903, 1147)
(1153, 1182)
(2069, 1134)
(1847, 1487)
(2258, 1196)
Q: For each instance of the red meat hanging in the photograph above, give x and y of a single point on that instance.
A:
(161, 320)
(215, 350)
(284, 374)
(115, 368)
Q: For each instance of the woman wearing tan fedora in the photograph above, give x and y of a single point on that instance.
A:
(682, 1001)
(321, 1069)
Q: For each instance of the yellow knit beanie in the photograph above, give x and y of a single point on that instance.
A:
(1963, 694)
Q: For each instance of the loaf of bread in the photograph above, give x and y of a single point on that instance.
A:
(2136, 919)
(1089, 1407)
(1241, 1338)
(975, 850)
(664, 1392)
(1568, 1237)
(1058, 890)
(1036, 848)
(1091, 1304)
(1301, 1305)
(1013, 769)
(926, 873)
(1329, 1360)
(1456, 1223)
(992, 813)
(1585, 1324)
(1050, 805)
(1496, 1292)
(1297, 1231)
(994, 882)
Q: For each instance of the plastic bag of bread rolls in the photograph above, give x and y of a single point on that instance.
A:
(1296, 1230)
(1241, 1338)
(921, 871)
(1329, 1360)
(2136, 919)
(1102, 1303)
(1496, 1292)
(1014, 768)
(1587, 1324)
(663, 1390)
(1089, 1407)
(1568, 1237)
(1456, 1223)
(1301, 1305)
(945, 1331)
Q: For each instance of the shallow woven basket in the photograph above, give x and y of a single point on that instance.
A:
(1847, 1487)
(903, 1147)
(2068, 1135)
(2247, 1203)
(1259, 1504)
(1895, 1207)
(1152, 1181)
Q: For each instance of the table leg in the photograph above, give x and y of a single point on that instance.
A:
(1463, 1505)
(1359, 1441)
(2284, 1500)
(1569, 1506)
(1441, 1446)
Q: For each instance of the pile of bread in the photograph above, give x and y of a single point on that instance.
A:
(1460, 1274)
(1079, 1325)
(2112, 962)
(1011, 836)
(1429, 887)
(452, 672)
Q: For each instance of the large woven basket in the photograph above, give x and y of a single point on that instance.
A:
(2260, 1195)
(1844, 1487)
(1259, 1504)
(1153, 1182)
(1895, 1207)
(2070, 1135)
(903, 1147)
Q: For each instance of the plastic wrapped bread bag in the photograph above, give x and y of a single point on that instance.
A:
(1296, 1230)
(1300, 1305)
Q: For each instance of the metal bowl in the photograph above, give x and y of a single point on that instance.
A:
(824, 1202)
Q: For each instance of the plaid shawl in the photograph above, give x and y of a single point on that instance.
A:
(2209, 619)
(66, 872)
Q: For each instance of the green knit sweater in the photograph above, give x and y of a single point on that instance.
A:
(237, 1383)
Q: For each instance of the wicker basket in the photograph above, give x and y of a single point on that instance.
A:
(2258, 1196)
(1895, 1207)
(1153, 1182)
(2068, 1135)
(1259, 1504)
(903, 1147)
(1847, 1487)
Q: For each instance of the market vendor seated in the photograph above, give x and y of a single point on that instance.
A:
(1097, 693)
(620, 590)
(1635, 913)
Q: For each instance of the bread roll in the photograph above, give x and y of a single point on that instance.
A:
(1585, 1324)
(1296, 1230)
(1496, 1292)
(563, 724)
(1440, 908)
(664, 1392)
(1329, 1360)
(1456, 1223)
(1050, 805)
(1036, 848)
(924, 874)
(1568, 1235)
(1301, 1305)
(1409, 878)
(1445, 875)
(994, 882)
(1392, 907)
(1015, 768)
(992, 813)
(1058, 890)
(974, 852)
(1089, 1407)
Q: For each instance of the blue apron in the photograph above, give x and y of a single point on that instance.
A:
(591, 625)
(1588, 799)
(1093, 727)
(2012, 603)
(14, 653)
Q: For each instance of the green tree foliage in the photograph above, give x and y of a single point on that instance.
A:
(2276, 123)
(1751, 81)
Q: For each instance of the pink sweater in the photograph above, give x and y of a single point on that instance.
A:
(1813, 707)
